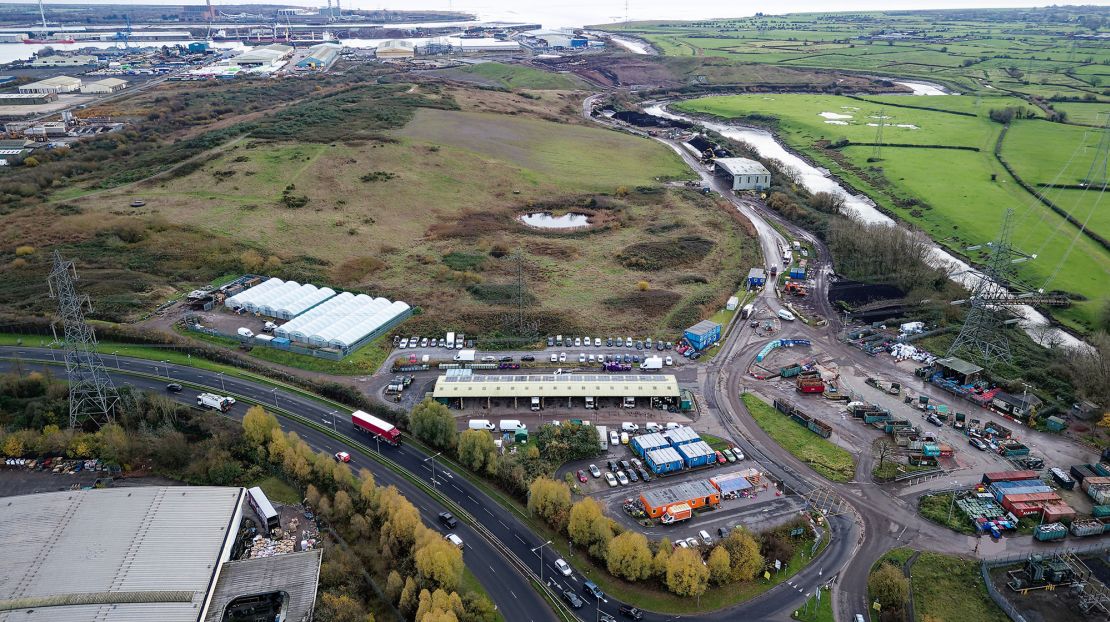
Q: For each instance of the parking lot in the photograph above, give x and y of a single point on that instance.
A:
(759, 508)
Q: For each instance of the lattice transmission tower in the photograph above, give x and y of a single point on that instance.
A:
(982, 337)
(92, 396)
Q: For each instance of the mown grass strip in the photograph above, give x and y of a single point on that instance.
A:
(826, 458)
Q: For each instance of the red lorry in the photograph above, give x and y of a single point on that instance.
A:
(376, 427)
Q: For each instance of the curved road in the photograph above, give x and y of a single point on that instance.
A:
(504, 581)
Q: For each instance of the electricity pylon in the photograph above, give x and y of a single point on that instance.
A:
(92, 396)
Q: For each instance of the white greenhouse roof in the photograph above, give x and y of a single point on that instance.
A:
(277, 298)
(342, 321)
(119, 554)
(562, 385)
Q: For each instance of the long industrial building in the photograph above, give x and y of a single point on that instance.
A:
(460, 391)
(345, 321)
(143, 553)
(281, 299)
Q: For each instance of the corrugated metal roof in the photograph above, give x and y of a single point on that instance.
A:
(741, 166)
(116, 541)
(562, 385)
(679, 493)
(703, 327)
(296, 574)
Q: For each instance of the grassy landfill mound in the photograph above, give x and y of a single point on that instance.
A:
(514, 77)
(939, 177)
(828, 459)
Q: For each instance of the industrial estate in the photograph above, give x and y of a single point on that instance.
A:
(342, 315)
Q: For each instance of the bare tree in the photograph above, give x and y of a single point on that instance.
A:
(884, 449)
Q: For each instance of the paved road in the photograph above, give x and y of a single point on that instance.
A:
(506, 585)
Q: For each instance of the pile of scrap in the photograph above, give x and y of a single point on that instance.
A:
(266, 547)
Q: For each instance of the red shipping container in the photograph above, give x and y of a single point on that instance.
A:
(1008, 476)
(1022, 509)
(1055, 512)
(1032, 497)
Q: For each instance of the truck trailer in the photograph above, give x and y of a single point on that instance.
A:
(374, 426)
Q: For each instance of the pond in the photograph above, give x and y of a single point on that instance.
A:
(547, 220)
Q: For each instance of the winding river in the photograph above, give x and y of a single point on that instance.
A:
(863, 209)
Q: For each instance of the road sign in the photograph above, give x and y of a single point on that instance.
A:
(767, 575)
(876, 606)
(778, 565)
(797, 531)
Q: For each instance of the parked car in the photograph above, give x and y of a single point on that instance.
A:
(636, 462)
(609, 342)
(597, 342)
(562, 357)
(528, 357)
(692, 543)
(596, 472)
(447, 520)
(644, 475)
(489, 359)
(933, 419)
(728, 454)
(612, 481)
(578, 342)
(554, 358)
(978, 444)
(681, 544)
(582, 476)
(424, 342)
(625, 465)
(564, 567)
(721, 458)
(629, 611)
(622, 478)
(632, 476)
(722, 532)
(628, 426)
(736, 452)
(342, 456)
(659, 345)
(639, 345)
(550, 342)
(582, 357)
(706, 539)
(591, 588)
(613, 465)
(572, 599)
(668, 361)
(173, 387)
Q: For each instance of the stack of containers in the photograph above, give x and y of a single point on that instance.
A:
(1007, 476)
(1018, 487)
(1028, 504)
(681, 436)
(697, 453)
(645, 443)
(663, 460)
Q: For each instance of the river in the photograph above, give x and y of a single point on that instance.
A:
(863, 209)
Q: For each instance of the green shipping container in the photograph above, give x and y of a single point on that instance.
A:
(1056, 424)
(1100, 510)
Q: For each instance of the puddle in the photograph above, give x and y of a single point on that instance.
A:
(546, 220)
(905, 126)
(834, 122)
(834, 115)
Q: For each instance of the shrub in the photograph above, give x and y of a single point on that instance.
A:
(21, 251)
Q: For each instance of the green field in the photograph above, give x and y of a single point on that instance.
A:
(955, 199)
(826, 458)
(947, 588)
(1027, 51)
(519, 77)
(279, 491)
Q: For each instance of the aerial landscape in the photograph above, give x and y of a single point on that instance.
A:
(631, 311)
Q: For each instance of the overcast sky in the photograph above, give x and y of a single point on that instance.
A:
(578, 12)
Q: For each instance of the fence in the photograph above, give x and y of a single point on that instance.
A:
(1011, 610)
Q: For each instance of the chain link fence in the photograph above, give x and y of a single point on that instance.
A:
(987, 564)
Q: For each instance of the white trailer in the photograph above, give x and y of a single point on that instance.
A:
(747, 311)
(450, 341)
(603, 437)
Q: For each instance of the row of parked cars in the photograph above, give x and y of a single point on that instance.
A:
(425, 342)
(611, 342)
(55, 465)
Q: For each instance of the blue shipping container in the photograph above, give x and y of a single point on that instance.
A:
(696, 454)
(703, 334)
(797, 273)
(663, 460)
(646, 442)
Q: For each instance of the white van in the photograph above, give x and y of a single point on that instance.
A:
(479, 424)
(628, 426)
(245, 332)
(652, 426)
(613, 438)
(673, 426)
(510, 425)
(535, 404)
(453, 539)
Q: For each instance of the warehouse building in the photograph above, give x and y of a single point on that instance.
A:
(57, 84)
(744, 174)
(107, 85)
(57, 60)
(143, 553)
(518, 390)
(395, 48)
(284, 300)
(962, 371)
(320, 57)
(703, 334)
(345, 322)
(27, 99)
(265, 57)
(697, 494)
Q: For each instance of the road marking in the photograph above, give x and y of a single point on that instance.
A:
(513, 593)
(494, 571)
(472, 499)
(502, 522)
(456, 487)
(519, 538)
(488, 512)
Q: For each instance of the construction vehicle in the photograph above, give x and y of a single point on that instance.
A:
(676, 514)
(793, 287)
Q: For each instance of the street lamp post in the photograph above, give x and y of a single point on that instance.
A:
(220, 375)
(433, 459)
(116, 354)
(332, 414)
(167, 366)
(540, 555)
(274, 391)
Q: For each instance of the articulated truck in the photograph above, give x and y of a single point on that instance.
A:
(376, 427)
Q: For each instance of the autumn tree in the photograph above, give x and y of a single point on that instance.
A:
(432, 422)
(477, 451)
(662, 556)
(629, 556)
(686, 575)
(720, 565)
(341, 608)
(438, 562)
(589, 527)
(550, 500)
(439, 606)
(259, 425)
(744, 556)
(889, 586)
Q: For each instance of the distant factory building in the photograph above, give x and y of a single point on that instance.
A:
(266, 56)
(745, 174)
(12, 151)
(107, 85)
(57, 84)
(320, 57)
(27, 99)
(556, 39)
(396, 48)
(58, 60)
(539, 391)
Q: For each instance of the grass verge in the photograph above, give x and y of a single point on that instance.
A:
(366, 360)
(814, 611)
(948, 588)
(279, 490)
(828, 459)
(935, 508)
